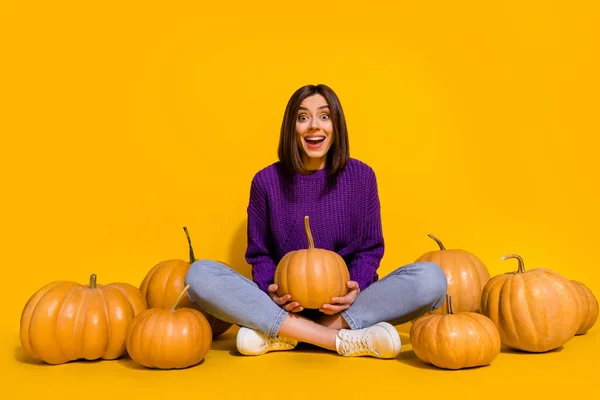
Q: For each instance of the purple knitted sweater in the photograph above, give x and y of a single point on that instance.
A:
(344, 217)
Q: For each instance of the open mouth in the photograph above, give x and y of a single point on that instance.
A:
(315, 140)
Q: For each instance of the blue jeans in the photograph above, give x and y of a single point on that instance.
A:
(398, 297)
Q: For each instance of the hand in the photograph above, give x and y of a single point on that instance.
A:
(282, 301)
(340, 304)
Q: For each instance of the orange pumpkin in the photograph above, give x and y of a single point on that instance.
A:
(312, 276)
(535, 310)
(455, 341)
(66, 321)
(588, 307)
(163, 283)
(168, 339)
(466, 275)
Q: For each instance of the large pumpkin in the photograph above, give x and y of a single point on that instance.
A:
(66, 321)
(535, 310)
(312, 276)
(163, 283)
(167, 339)
(466, 275)
(588, 307)
(455, 341)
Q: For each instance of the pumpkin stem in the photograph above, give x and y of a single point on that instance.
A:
(518, 257)
(93, 281)
(179, 297)
(449, 304)
(311, 243)
(438, 241)
(192, 258)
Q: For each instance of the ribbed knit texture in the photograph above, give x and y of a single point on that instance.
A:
(344, 217)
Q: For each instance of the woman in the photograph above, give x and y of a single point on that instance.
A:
(316, 177)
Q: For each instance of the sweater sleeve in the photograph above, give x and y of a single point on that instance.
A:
(363, 266)
(259, 250)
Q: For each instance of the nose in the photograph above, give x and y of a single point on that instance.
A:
(314, 123)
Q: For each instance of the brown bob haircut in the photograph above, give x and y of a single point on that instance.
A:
(289, 153)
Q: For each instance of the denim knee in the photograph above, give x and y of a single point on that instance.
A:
(433, 281)
(202, 274)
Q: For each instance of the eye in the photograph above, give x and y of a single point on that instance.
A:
(325, 116)
(302, 117)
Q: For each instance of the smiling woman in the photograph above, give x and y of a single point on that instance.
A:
(313, 124)
(316, 178)
(315, 131)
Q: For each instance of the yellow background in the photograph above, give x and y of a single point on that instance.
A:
(124, 121)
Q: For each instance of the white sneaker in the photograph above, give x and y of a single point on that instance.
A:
(253, 343)
(380, 340)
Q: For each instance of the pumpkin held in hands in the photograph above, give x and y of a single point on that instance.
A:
(466, 275)
(312, 276)
(163, 284)
(455, 341)
(66, 321)
(168, 339)
(588, 307)
(535, 310)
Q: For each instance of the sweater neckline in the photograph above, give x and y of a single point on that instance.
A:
(313, 176)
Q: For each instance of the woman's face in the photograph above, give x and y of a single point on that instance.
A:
(314, 130)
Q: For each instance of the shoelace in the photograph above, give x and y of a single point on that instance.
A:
(356, 345)
(279, 342)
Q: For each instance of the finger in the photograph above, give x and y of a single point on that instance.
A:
(347, 299)
(283, 299)
(298, 309)
(352, 284)
(291, 306)
(273, 288)
(326, 311)
(334, 309)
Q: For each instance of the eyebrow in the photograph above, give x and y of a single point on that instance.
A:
(304, 108)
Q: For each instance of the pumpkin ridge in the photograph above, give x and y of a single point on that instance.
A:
(555, 295)
(476, 281)
(534, 322)
(505, 312)
(305, 288)
(495, 285)
(421, 325)
(144, 287)
(168, 283)
(478, 319)
(56, 325)
(474, 324)
(149, 326)
(585, 300)
(436, 328)
(556, 276)
(513, 285)
(158, 340)
(592, 305)
(107, 322)
(478, 274)
(78, 322)
(28, 313)
(469, 333)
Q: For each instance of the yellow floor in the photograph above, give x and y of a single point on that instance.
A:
(309, 373)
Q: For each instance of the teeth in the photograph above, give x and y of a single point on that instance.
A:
(315, 139)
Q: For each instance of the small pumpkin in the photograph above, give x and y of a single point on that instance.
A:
(169, 339)
(66, 321)
(163, 283)
(466, 275)
(455, 341)
(312, 276)
(535, 310)
(588, 307)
